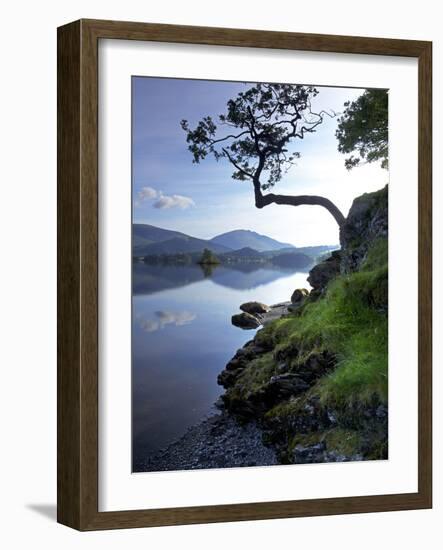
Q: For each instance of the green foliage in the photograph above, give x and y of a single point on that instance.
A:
(208, 258)
(256, 130)
(363, 128)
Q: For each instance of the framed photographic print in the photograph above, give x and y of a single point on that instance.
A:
(244, 275)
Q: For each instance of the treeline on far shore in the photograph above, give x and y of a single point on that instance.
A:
(294, 258)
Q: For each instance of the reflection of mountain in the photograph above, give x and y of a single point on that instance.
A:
(295, 260)
(246, 279)
(148, 279)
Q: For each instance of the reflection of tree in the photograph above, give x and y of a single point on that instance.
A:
(208, 269)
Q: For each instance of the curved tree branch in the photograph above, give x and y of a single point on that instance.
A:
(268, 118)
(297, 200)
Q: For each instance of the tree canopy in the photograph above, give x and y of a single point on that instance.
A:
(363, 128)
(256, 135)
(208, 257)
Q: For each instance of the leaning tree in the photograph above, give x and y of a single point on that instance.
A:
(256, 136)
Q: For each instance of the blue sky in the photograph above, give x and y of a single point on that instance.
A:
(203, 200)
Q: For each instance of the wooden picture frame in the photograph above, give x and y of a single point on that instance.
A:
(78, 274)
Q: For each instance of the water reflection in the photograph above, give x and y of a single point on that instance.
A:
(151, 278)
(182, 338)
(163, 318)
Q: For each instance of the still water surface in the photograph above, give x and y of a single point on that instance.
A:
(182, 338)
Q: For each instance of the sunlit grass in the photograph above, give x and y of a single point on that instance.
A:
(350, 321)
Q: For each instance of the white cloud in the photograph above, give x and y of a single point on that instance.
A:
(173, 201)
(163, 201)
(147, 193)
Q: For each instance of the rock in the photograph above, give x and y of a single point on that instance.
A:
(217, 442)
(256, 314)
(316, 365)
(367, 221)
(244, 408)
(299, 295)
(282, 367)
(254, 308)
(236, 365)
(286, 353)
(250, 351)
(245, 320)
(285, 385)
(219, 404)
(325, 271)
(275, 312)
(309, 454)
(227, 378)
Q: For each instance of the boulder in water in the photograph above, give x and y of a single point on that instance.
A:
(254, 308)
(245, 320)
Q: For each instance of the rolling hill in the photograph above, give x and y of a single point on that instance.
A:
(143, 234)
(242, 238)
(151, 240)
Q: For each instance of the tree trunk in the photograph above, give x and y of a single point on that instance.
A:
(263, 200)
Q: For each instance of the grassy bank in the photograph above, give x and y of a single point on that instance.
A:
(338, 346)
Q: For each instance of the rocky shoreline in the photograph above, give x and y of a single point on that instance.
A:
(315, 378)
(219, 441)
(222, 440)
(311, 385)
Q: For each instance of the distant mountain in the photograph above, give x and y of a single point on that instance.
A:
(150, 240)
(178, 245)
(242, 238)
(143, 234)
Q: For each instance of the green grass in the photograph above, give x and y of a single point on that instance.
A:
(377, 256)
(254, 377)
(347, 442)
(350, 322)
(362, 372)
(286, 408)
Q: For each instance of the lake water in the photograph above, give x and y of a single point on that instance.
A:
(182, 338)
